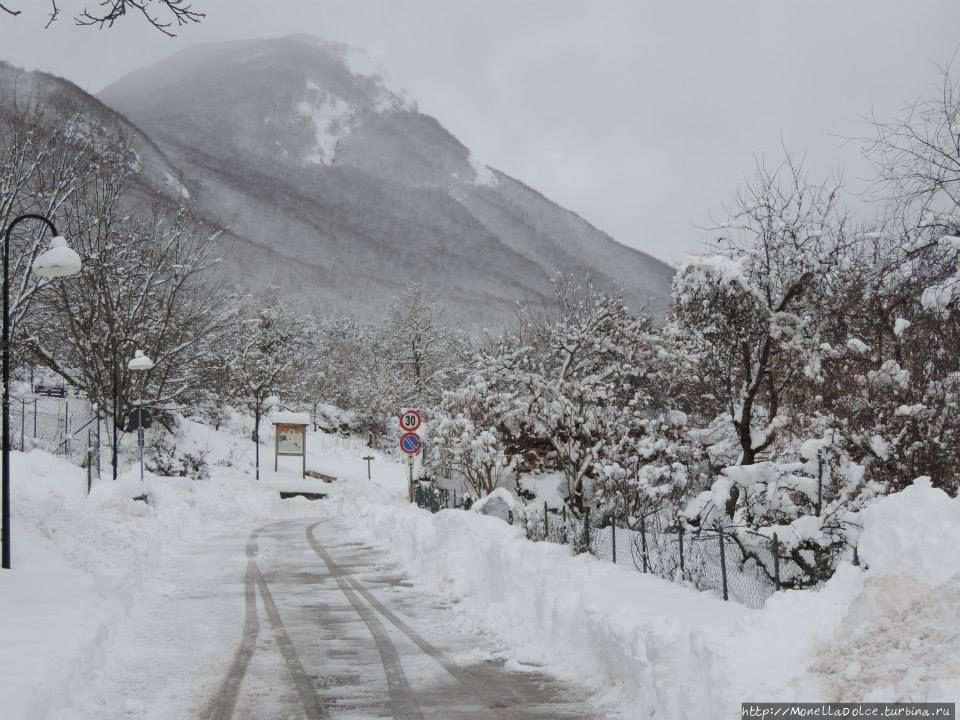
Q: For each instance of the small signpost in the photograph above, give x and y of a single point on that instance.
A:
(410, 442)
(369, 459)
(290, 437)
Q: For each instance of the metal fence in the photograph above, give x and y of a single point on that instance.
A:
(62, 425)
(713, 559)
(716, 560)
(54, 423)
(436, 499)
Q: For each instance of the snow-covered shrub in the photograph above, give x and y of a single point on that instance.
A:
(163, 457)
(806, 505)
(470, 434)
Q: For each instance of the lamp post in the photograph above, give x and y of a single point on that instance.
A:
(58, 261)
(140, 363)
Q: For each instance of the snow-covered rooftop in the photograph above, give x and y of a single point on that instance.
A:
(285, 417)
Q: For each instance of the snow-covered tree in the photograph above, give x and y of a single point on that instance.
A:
(144, 286)
(264, 347)
(473, 429)
(593, 360)
(43, 164)
(753, 308)
(421, 341)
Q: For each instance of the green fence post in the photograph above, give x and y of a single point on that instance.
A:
(683, 569)
(586, 529)
(643, 543)
(89, 461)
(776, 561)
(723, 561)
(613, 537)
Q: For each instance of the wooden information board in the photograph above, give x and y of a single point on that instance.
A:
(290, 439)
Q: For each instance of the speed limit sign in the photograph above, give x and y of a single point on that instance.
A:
(410, 420)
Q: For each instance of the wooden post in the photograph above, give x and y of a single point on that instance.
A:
(276, 448)
(304, 473)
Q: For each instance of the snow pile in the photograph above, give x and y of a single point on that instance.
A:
(499, 504)
(899, 639)
(654, 648)
(914, 532)
(76, 564)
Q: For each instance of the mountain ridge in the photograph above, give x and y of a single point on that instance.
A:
(337, 191)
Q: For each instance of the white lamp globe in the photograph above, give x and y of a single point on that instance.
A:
(140, 362)
(58, 261)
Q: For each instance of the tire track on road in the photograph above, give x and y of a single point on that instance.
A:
(480, 690)
(224, 703)
(403, 702)
(304, 685)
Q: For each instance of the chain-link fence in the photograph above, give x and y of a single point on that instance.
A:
(65, 426)
(52, 423)
(717, 559)
(744, 567)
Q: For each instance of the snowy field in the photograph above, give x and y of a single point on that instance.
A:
(87, 568)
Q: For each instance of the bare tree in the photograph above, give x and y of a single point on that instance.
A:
(422, 341)
(264, 350)
(144, 286)
(42, 168)
(917, 159)
(162, 14)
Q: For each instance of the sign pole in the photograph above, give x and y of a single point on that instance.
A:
(140, 432)
(410, 464)
(369, 459)
(410, 443)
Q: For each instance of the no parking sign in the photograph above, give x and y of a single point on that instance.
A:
(410, 443)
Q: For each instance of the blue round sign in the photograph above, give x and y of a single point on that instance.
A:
(410, 443)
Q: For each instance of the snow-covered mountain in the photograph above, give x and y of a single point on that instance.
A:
(338, 191)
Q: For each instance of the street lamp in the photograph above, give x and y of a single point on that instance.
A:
(140, 363)
(58, 261)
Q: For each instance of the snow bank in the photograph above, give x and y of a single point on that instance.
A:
(898, 641)
(915, 532)
(75, 563)
(654, 648)
(80, 565)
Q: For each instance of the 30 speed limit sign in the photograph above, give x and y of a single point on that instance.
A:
(410, 420)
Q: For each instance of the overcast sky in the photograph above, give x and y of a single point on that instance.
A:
(640, 116)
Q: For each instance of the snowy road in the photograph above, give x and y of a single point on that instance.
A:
(294, 621)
